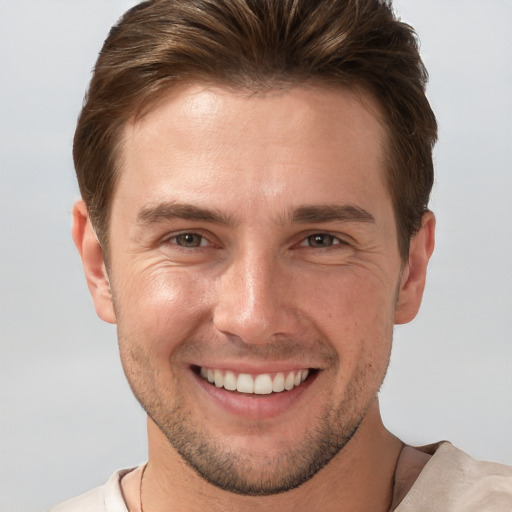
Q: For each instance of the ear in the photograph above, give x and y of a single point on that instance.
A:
(414, 273)
(93, 262)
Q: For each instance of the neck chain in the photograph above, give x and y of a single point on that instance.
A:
(140, 490)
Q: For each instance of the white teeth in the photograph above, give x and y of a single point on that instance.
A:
(245, 383)
(289, 382)
(263, 384)
(278, 383)
(230, 381)
(219, 379)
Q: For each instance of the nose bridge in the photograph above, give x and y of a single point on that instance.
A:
(249, 299)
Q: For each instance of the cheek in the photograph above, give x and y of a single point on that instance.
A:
(350, 301)
(355, 313)
(159, 308)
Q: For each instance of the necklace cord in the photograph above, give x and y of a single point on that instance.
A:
(140, 489)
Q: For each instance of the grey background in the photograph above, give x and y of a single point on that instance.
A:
(68, 419)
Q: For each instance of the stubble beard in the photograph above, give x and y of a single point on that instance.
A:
(235, 470)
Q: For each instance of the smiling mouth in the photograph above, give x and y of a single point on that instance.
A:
(261, 384)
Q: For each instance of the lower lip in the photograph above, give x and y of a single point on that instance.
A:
(253, 406)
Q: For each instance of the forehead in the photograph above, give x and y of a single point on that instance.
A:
(205, 140)
(287, 107)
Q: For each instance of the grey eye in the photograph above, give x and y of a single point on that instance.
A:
(321, 240)
(189, 240)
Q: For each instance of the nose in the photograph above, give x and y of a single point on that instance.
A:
(253, 302)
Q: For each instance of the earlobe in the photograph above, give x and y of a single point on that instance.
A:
(414, 273)
(93, 262)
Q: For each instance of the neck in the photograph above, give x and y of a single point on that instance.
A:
(366, 463)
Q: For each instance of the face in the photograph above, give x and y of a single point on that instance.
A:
(255, 273)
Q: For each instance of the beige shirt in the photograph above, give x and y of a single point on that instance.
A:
(450, 481)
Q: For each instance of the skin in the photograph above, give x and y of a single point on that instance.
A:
(294, 266)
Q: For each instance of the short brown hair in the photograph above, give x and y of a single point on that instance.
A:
(260, 44)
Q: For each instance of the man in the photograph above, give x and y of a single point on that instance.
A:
(255, 177)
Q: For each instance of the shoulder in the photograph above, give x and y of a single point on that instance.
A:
(453, 481)
(107, 498)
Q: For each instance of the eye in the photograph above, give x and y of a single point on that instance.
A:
(320, 240)
(189, 240)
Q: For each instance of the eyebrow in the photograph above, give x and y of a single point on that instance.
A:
(329, 213)
(152, 214)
